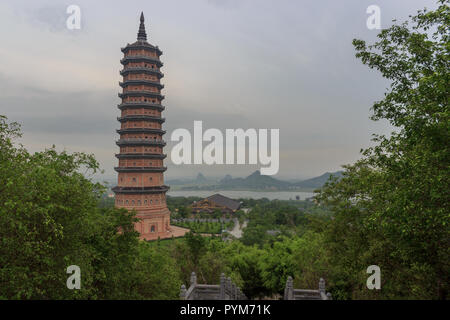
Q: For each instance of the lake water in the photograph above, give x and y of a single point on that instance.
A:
(234, 194)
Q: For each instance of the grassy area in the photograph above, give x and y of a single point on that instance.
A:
(205, 227)
(165, 242)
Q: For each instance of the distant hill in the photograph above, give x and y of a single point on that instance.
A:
(178, 182)
(226, 178)
(200, 178)
(255, 181)
(317, 182)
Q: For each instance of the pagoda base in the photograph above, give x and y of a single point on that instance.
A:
(174, 232)
(156, 225)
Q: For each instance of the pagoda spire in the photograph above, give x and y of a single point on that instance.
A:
(142, 35)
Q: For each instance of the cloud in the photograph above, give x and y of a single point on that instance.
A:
(232, 64)
(226, 4)
(52, 17)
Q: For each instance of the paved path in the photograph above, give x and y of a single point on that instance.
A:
(174, 232)
(238, 229)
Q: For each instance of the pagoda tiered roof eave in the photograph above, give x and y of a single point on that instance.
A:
(160, 156)
(140, 142)
(140, 104)
(137, 117)
(149, 59)
(141, 190)
(140, 169)
(141, 130)
(141, 81)
(141, 45)
(140, 70)
(140, 93)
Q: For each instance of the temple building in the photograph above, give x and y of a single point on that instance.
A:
(216, 202)
(140, 184)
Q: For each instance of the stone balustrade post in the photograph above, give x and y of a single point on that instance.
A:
(289, 289)
(322, 286)
(183, 292)
(222, 286)
(229, 288)
(193, 279)
(233, 291)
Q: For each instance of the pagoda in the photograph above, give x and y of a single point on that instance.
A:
(140, 184)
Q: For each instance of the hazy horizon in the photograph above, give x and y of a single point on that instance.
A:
(112, 177)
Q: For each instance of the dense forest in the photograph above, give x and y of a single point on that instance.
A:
(390, 208)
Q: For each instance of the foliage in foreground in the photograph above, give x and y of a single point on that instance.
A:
(50, 219)
(391, 208)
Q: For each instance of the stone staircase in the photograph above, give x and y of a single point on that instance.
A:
(226, 290)
(304, 294)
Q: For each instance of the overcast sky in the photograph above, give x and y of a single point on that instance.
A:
(231, 63)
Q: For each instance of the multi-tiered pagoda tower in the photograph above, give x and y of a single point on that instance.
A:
(140, 171)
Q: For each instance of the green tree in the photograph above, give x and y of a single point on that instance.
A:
(391, 208)
(254, 235)
(183, 212)
(277, 264)
(196, 245)
(217, 213)
(310, 260)
(50, 218)
(156, 275)
(245, 261)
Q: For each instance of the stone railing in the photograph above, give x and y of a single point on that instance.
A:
(226, 290)
(302, 294)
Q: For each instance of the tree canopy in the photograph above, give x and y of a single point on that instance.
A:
(51, 219)
(391, 208)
